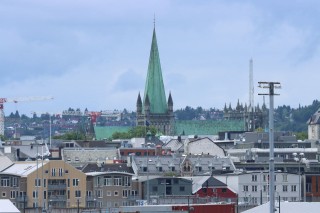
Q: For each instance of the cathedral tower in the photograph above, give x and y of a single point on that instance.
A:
(154, 110)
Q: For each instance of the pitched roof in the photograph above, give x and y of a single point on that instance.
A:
(315, 118)
(24, 168)
(93, 168)
(154, 87)
(8, 207)
(5, 162)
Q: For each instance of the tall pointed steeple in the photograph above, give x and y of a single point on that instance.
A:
(154, 87)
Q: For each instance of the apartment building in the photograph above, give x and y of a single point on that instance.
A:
(109, 186)
(43, 183)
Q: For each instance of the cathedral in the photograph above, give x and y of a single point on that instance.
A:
(153, 109)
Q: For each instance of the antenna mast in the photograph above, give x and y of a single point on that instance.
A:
(251, 110)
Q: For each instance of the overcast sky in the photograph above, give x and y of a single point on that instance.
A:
(94, 54)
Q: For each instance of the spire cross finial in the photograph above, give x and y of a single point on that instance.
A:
(154, 20)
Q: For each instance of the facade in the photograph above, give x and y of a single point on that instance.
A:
(183, 165)
(253, 187)
(109, 186)
(153, 109)
(166, 189)
(41, 184)
(314, 126)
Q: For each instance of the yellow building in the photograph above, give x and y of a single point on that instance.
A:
(44, 184)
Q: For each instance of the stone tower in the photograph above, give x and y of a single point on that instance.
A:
(154, 110)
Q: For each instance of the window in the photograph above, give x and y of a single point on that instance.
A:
(44, 182)
(4, 194)
(53, 172)
(99, 193)
(125, 193)
(14, 181)
(224, 190)
(127, 181)
(285, 188)
(108, 181)
(77, 193)
(265, 188)
(5, 181)
(172, 168)
(108, 193)
(98, 181)
(265, 178)
(116, 193)
(75, 182)
(159, 168)
(199, 168)
(245, 188)
(254, 178)
(254, 188)
(154, 189)
(293, 188)
(284, 177)
(37, 182)
(117, 181)
(68, 182)
(60, 172)
(35, 194)
(182, 189)
(13, 194)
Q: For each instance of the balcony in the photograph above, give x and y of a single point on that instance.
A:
(134, 197)
(90, 198)
(55, 198)
(57, 186)
(22, 199)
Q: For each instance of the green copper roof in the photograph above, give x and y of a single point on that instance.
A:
(207, 127)
(154, 84)
(105, 132)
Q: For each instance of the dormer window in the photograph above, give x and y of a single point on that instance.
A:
(198, 168)
(159, 168)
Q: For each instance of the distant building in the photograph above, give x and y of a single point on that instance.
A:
(153, 109)
(314, 126)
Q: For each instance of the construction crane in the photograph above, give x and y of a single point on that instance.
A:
(17, 100)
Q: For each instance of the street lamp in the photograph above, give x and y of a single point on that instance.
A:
(78, 202)
(298, 158)
(271, 86)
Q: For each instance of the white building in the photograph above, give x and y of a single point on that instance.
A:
(253, 187)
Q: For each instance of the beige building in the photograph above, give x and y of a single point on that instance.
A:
(42, 184)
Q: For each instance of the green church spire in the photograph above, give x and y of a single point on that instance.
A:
(154, 87)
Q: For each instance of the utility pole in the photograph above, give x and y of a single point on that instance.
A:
(271, 86)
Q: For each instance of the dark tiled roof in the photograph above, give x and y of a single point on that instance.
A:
(119, 167)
